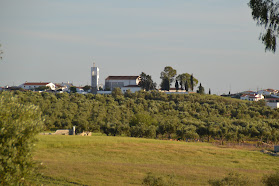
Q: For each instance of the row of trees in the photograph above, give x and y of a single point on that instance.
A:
(185, 80)
(169, 75)
(157, 115)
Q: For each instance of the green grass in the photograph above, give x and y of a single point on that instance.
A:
(102, 160)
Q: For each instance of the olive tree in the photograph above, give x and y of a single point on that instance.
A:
(19, 124)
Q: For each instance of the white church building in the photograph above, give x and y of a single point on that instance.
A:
(123, 82)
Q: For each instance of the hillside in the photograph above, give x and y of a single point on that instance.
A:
(102, 160)
(157, 115)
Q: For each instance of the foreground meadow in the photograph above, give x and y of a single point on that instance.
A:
(102, 160)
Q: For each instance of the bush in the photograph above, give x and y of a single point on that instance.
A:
(153, 180)
(271, 180)
(231, 179)
(18, 126)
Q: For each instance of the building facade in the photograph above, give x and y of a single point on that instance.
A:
(112, 82)
(252, 97)
(274, 105)
(34, 85)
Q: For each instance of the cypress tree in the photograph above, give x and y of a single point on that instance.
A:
(201, 89)
(192, 82)
(186, 86)
(176, 85)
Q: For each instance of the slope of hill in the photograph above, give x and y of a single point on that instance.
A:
(103, 160)
(157, 115)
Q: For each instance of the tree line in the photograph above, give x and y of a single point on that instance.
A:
(155, 114)
(183, 81)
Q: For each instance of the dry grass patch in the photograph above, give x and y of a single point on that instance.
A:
(101, 160)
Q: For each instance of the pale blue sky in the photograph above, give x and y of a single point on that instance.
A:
(57, 41)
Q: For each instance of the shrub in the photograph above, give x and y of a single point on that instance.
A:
(18, 126)
(153, 180)
(271, 180)
(231, 179)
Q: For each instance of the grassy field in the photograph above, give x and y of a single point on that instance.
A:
(102, 160)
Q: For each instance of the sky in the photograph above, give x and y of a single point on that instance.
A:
(58, 41)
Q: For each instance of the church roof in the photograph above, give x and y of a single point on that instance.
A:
(122, 77)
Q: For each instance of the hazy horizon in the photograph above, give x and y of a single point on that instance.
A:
(57, 41)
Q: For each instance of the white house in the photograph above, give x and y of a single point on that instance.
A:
(264, 92)
(267, 92)
(112, 82)
(33, 85)
(252, 97)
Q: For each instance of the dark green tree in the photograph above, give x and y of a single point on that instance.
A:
(176, 85)
(186, 86)
(73, 89)
(209, 92)
(182, 78)
(192, 82)
(146, 82)
(266, 13)
(19, 124)
(86, 88)
(168, 74)
(165, 84)
(201, 89)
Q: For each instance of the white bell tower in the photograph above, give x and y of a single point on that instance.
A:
(94, 79)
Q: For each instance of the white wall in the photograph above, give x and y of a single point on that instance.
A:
(132, 89)
(273, 104)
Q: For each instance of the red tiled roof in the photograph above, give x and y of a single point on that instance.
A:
(122, 77)
(271, 90)
(251, 95)
(34, 83)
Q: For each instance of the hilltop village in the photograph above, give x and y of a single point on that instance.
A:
(135, 83)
